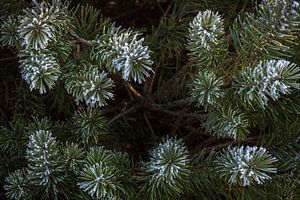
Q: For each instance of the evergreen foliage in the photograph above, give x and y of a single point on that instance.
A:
(89, 125)
(43, 24)
(210, 87)
(268, 80)
(39, 70)
(16, 185)
(90, 85)
(207, 89)
(206, 38)
(246, 165)
(229, 122)
(9, 31)
(125, 53)
(43, 166)
(168, 169)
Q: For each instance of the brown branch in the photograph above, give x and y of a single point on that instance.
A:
(149, 124)
(209, 141)
(160, 108)
(177, 103)
(150, 81)
(221, 146)
(169, 112)
(259, 137)
(130, 110)
(154, 107)
(8, 59)
(177, 123)
(173, 80)
(131, 12)
(192, 131)
(133, 90)
(81, 40)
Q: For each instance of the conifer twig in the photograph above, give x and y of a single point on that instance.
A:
(221, 146)
(149, 125)
(81, 40)
(159, 108)
(133, 90)
(131, 12)
(130, 110)
(8, 59)
(177, 123)
(150, 81)
(177, 103)
(185, 69)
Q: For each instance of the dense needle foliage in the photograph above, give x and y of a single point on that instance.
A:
(150, 99)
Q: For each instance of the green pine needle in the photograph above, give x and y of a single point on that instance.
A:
(246, 165)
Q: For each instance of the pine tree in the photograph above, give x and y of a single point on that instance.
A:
(158, 100)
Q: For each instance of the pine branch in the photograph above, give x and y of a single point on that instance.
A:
(8, 59)
(159, 108)
(132, 109)
(164, 108)
(150, 80)
(221, 80)
(133, 90)
(245, 165)
(81, 40)
(221, 146)
(177, 103)
(172, 80)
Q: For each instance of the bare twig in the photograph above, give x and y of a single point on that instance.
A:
(192, 131)
(173, 80)
(128, 13)
(169, 112)
(259, 137)
(177, 123)
(159, 108)
(150, 81)
(177, 103)
(81, 40)
(8, 59)
(133, 90)
(221, 146)
(130, 110)
(149, 124)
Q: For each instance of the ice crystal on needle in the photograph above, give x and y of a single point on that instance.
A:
(246, 165)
